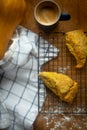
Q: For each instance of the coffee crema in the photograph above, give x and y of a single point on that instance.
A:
(47, 15)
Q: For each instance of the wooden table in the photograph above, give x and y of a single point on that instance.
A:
(76, 8)
(78, 11)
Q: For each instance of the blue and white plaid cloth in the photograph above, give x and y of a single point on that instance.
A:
(19, 81)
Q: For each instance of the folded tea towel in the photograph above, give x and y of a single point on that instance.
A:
(19, 80)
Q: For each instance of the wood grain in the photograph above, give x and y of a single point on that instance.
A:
(76, 8)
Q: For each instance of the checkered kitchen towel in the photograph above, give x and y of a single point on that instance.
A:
(19, 81)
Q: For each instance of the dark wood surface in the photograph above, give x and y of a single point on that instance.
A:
(78, 11)
(76, 8)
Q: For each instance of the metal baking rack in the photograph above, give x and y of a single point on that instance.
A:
(63, 63)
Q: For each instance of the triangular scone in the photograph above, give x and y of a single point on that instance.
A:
(60, 84)
(76, 42)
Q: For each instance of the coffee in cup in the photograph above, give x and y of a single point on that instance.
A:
(47, 13)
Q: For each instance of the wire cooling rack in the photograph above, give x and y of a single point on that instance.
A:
(63, 63)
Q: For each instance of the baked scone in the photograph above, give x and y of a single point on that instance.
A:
(60, 84)
(76, 42)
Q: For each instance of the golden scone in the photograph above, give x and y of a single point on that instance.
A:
(76, 42)
(60, 84)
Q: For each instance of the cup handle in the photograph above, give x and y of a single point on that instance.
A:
(64, 17)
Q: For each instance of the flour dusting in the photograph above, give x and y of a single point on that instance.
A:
(65, 121)
(63, 69)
